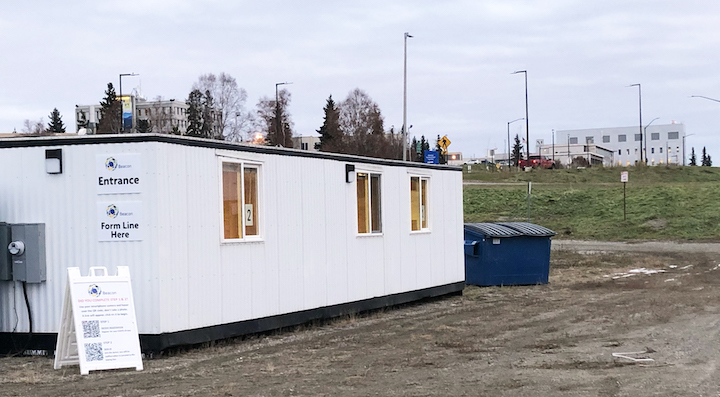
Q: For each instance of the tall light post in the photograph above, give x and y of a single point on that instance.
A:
(122, 122)
(508, 130)
(405, 141)
(696, 96)
(645, 136)
(704, 97)
(641, 126)
(568, 145)
(685, 136)
(278, 122)
(553, 147)
(527, 120)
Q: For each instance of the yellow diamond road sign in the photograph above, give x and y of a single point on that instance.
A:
(444, 142)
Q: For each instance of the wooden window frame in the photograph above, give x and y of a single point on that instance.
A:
(248, 228)
(368, 193)
(419, 204)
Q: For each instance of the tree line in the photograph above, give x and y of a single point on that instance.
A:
(216, 110)
(705, 161)
(55, 126)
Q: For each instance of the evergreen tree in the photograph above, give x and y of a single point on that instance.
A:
(208, 116)
(331, 135)
(269, 112)
(423, 147)
(144, 126)
(516, 154)
(703, 161)
(109, 112)
(709, 161)
(194, 113)
(693, 159)
(56, 124)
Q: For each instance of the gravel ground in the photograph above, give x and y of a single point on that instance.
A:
(547, 340)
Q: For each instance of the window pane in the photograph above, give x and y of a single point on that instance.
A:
(251, 202)
(414, 203)
(362, 202)
(622, 138)
(423, 204)
(231, 200)
(375, 203)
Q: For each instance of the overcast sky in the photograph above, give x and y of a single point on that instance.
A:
(580, 56)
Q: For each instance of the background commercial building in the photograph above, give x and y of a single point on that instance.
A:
(163, 115)
(661, 144)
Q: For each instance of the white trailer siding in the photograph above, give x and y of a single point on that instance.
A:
(185, 276)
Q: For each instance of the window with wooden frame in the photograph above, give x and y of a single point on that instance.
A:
(369, 211)
(419, 203)
(240, 184)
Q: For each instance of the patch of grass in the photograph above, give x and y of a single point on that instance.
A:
(583, 204)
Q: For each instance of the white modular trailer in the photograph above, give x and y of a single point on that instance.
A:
(225, 239)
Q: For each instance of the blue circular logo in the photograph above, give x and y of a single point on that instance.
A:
(110, 164)
(94, 290)
(112, 211)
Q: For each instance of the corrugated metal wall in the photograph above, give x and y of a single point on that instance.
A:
(184, 277)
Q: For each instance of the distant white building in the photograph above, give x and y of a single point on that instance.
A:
(661, 144)
(565, 153)
(306, 142)
(163, 115)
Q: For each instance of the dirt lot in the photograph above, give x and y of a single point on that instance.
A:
(547, 340)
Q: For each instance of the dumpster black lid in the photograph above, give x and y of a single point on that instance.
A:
(529, 229)
(492, 230)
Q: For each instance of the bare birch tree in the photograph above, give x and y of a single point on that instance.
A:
(234, 120)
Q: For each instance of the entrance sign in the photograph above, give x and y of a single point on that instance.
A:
(98, 329)
(118, 173)
(119, 221)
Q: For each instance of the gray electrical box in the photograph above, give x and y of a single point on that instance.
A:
(5, 258)
(27, 250)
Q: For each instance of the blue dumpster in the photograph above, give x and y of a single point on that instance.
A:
(507, 253)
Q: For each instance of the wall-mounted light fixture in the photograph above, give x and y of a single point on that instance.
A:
(349, 173)
(53, 161)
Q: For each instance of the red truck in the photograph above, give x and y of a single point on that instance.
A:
(537, 162)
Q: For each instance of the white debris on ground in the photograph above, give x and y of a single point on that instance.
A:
(642, 270)
(634, 272)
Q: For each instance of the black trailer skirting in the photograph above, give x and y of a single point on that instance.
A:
(151, 343)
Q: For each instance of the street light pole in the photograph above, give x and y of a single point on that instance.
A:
(641, 129)
(704, 97)
(405, 141)
(527, 120)
(278, 122)
(122, 122)
(696, 96)
(645, 135)
(685, 136)
(508, 133)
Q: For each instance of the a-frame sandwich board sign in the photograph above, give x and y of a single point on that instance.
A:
(98, 328)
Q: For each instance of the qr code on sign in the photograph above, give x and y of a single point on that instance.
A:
(93, 352)
(91, 329)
